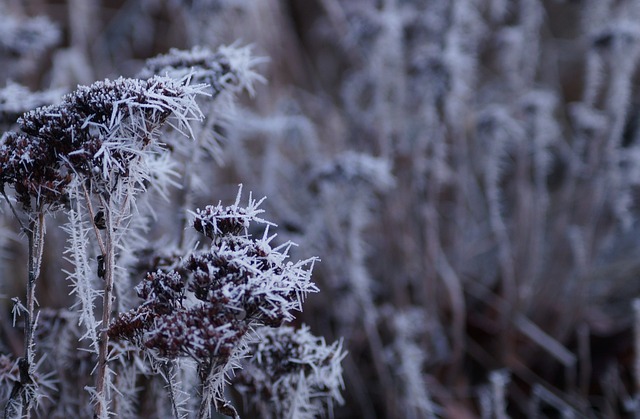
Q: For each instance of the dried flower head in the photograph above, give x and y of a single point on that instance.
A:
(217, 221)
(99, 132)
(27, 36)
(230, 68)
(203, 308)
(291, 373)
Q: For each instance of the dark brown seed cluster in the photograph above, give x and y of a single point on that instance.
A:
(58, 142)
(205, 306)
(284, 359)
(215, 221)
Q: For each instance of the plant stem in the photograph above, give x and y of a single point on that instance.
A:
(167, 370)
(109, 262)
(207, 373)
(25, 388)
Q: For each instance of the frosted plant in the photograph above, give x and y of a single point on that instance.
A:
(228, 71)
(9, 375)
(16, 99)
(345, 186)
(204, 305)
(291, 374)
(24, 41)
(229, 68)
(94, 145)
(57, 337)
(410, 357)
(18, 385)
(352, 167)
(102, 133)
(27, 36)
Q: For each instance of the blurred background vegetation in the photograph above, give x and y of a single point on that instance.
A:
(466, 170)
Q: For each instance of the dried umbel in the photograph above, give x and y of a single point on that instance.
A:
(227, 72)
(218, 221)
(201, 64)
(228, 68)
(98, 132)
(291, 373)
(204, 307)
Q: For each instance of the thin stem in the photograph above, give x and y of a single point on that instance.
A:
(92, 215)
(186, 197)
(205, 403)
(25, 372)
(225, 408)
(25, 388)
(107, 298)
(167, 369)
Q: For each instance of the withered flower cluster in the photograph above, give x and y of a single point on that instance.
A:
(22, 36)
(200, 64)
(291, 373)
(204, 306)
(96, 132)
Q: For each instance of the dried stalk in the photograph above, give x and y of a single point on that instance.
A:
(207, 401)
(107, 298)
(25, 388)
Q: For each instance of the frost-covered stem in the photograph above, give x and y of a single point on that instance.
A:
(363, 290)
(167, 370)
(82, 19)
(186, 196)
(205, 400)
(437, 257)
(92, 215)
(505, 258)
(187, 177)
(109, 262)
(34, 236)
(208, 398)
(453, 285)
(185, 204)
